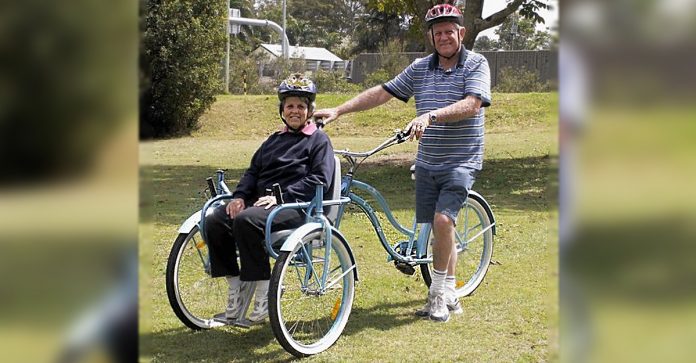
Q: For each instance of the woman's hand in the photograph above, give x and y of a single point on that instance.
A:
(268, 201)
(234, 207)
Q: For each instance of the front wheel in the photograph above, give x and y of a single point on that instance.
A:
(193, 295)
(474, 243)
(310, 296)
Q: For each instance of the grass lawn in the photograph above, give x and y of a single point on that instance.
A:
(511, 317)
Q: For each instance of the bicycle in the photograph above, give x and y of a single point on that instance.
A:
(474, 242)
(312, 284)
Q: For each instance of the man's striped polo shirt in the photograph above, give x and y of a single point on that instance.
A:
(447, 145)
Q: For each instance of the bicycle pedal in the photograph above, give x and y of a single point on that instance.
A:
(405, 268)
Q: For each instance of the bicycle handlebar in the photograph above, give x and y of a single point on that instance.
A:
(399, 137)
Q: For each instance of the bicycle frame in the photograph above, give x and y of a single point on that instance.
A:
(418, 240)
(415, 240)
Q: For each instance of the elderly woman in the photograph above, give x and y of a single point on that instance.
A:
(297, 157)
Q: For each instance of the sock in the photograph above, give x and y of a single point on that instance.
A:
(450, 287)
(233, 282)
(261, 290)
(437, 286)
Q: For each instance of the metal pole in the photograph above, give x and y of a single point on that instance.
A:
(227, 51)
(260, 22)
(286, 51)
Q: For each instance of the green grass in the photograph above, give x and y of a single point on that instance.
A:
(511, 317)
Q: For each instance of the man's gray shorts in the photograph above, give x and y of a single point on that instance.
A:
(442, 191)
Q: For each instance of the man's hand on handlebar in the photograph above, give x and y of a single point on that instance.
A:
(417, 126)
(235, 206)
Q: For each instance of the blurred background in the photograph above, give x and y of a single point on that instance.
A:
(68, 180)
(628, 125)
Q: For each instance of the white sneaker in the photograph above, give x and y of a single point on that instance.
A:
(453, 305)
(260, 312)
(234, 304)
(438, 309)
(425, 310)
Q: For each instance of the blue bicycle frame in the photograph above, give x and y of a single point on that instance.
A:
(415, 240)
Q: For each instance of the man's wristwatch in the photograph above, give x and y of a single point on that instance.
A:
(432, 117)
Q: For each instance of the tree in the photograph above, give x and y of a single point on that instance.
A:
(377, 29)
(484, 43)
(472, 12)
(184, 43)
(318, 23)
(525, 36)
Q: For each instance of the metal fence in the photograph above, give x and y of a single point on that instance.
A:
(542, 62)
(270, 70)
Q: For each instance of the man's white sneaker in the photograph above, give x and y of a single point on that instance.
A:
(438, 309)
(425, 310)
(454, 306)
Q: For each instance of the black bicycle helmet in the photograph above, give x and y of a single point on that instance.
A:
(296, 85)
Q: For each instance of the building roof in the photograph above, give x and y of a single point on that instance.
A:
(309, 53)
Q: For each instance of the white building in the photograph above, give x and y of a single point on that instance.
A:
(315, 58)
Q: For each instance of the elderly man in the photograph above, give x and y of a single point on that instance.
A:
(451, 87)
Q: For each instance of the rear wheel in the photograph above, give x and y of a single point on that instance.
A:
(309, 307)
(193, 295)
(474, 243)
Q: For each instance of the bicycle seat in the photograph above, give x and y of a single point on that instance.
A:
(278, 237)
(334, 191)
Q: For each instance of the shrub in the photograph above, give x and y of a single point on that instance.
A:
(328, 81)
(511, 80)
(377, 77)
(182, 61)
(393, 61)
(285, 67)
(244, 69)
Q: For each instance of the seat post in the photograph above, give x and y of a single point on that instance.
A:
(319, 200)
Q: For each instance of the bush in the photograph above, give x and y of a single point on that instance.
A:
(328, 81)
(182, 61)
(393, 61)
(244, 69)
(511, 80)
(377, 77)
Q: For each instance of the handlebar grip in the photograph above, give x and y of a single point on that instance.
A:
(278, 193)
(402, 135)
(211, 186)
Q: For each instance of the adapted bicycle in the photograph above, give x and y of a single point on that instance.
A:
(312, 284)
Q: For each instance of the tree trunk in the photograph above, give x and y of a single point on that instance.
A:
(475, 24)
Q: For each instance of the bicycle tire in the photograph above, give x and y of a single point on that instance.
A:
(474, 260)
(305, 321)
(193, 295)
